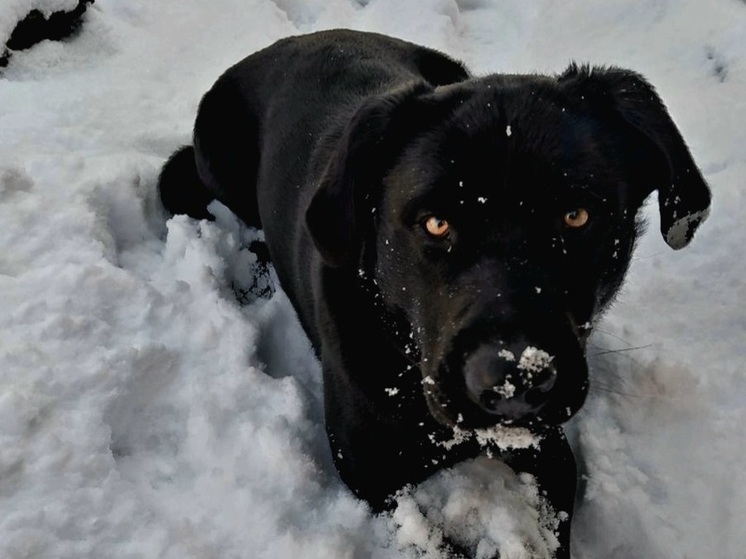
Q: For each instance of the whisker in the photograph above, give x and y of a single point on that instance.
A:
(595, 385)
(608, 351)
(612, 335)
(646, 256)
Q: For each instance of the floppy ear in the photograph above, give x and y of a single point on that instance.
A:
(683, 195)
(356, 164)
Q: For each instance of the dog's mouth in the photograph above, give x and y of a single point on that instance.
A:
(518, 384)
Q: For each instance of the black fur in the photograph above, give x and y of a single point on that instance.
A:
(342, 145)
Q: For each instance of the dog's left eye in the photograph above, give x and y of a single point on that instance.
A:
(577, 218)
(436, 227)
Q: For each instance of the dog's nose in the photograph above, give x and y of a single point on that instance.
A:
(512, 382)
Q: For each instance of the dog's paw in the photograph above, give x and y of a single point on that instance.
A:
(479, 509)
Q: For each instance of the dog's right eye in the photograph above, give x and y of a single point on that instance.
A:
(436, 227)
(577, 218)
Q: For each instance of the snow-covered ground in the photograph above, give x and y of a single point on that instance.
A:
(147, 411)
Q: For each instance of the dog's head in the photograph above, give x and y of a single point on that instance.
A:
(497, 218)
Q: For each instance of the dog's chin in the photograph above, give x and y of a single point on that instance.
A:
(461, 413)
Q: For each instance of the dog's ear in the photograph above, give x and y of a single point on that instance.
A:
(683, 195)
(358, 162)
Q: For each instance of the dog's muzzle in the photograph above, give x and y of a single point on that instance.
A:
(512, 382)
(490, 375)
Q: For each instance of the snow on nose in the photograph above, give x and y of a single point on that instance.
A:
(505, 386)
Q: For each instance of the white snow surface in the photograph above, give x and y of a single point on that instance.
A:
(146, 413)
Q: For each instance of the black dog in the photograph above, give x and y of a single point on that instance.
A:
(447, 241)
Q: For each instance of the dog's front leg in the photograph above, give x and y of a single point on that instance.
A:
(553, 466)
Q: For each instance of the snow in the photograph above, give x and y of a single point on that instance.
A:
(498, 436)
(534, 359)
(506, 390)
(506, 354)
(150, 407)
(453, 500)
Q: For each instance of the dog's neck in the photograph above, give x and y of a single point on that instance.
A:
(393, 322)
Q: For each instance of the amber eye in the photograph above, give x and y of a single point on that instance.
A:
(437, 227)
(577, 218)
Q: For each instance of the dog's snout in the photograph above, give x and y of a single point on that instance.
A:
(511, 382)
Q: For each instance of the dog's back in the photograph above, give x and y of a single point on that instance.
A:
(287, 102)
(288, 94)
